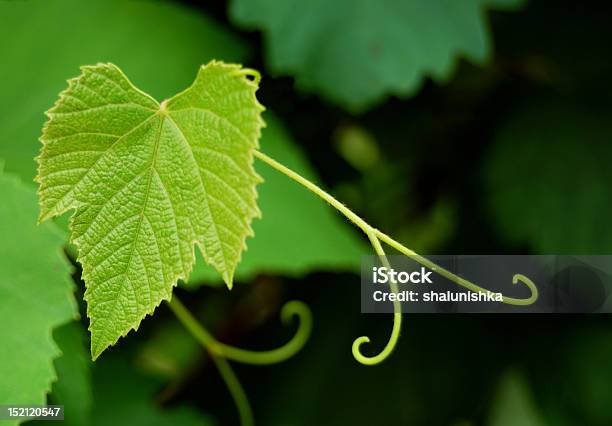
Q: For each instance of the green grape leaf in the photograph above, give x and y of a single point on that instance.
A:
(36, 294)
(547, 179)
(149, 181)
(356, 53)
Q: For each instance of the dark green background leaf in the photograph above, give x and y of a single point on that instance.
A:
(358, 52)
(35, 296)
(547, 178)
(73, 388)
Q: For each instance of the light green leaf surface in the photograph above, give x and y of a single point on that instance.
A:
(298, 233)
(548, 177)
(148, 182)
(35, 296)
(357, 52)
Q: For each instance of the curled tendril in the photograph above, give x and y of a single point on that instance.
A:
(373, 360)
(397, 314)
(290, 310)
(460, 280)
(253, 74)
(532, 287)
(375, 237)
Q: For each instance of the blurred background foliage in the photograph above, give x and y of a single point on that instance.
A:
(477, 126)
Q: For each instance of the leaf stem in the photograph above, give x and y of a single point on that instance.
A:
(225, 370)
(375, 237)
(359, 222)
(245, 413)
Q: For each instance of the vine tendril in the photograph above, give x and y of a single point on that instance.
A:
(460, 280)
(291, 309)
(397, 315)
(375, 237)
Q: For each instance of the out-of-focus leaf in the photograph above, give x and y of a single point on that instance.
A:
(357, 147)
(159, 44)
(356, 52)
(588, 375)
(124, 397)
(112, 391)
(578, 391)
(429, 232)
(73, 388)
(548, 179)
(297, 232)
(35, 296)
(171, 352)
(513, 404)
